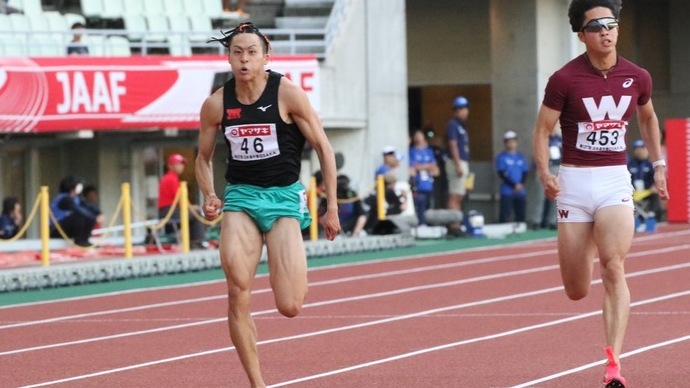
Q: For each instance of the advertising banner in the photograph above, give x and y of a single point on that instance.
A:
(678, 149)
(58, 94)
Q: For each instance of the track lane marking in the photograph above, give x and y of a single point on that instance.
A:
(631, 353)
(474, 340)
(492, 259)
(487, 260)
(656, 236)
(399, 318)
(331, 302)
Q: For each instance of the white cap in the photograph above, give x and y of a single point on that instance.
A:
(387, 150)
(509, 135)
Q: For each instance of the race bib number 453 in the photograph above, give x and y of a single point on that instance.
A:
(252, 141)
(605, 135)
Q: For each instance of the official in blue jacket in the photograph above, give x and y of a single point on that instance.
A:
(512, 168)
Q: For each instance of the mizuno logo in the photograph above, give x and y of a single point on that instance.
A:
(563, 213)
(627, 83)
(626, 199)
(263, 108)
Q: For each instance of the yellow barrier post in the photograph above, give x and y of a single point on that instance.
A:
(184, 217)
(313, 211)
(127, 219)
(45, 227)
(381, 198)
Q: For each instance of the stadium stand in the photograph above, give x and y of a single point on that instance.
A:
(175, 27)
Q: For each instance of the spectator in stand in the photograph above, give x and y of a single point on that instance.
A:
(391, 161)
(11, 217)
(73, 217)
(77, 46)
(90, 195)
(167, 191)
(512, 168)
(423, 169)
(240, 10)
(6, 9)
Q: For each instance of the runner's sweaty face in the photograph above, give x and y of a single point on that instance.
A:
(246, 55)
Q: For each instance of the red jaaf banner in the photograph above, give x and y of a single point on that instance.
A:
(72, 93)
(678, 149)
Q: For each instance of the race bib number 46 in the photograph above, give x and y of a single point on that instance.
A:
(605, 135)
(253, 141)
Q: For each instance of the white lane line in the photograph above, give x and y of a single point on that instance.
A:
(655, 236)
(475, 340)
(307, 305)
(393, 319)
(311, 285)
(602, 362)
(487, 260)
(337, 301)
(311, 269)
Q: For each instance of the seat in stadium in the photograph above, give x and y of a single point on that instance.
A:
(71, 18)
(20, 25)
(158, 27)
(118, 46)
(45, 47)
(5, 26)
(31, 7)
(202, 26)
(154, 7)
(92, 8)
(212, 8)
(179, 27)
(113, 9)
(56, 21)
(40, 26)
(133, 6)
(14, 48)
(179, 46)
(174, 7)
(136, 26)
(193, 8)
(97, 45)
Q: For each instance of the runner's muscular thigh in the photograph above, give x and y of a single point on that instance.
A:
(240, 249)
(287, 259)
(576, 251)
(614, 227)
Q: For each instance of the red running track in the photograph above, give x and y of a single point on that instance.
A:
(491, 317)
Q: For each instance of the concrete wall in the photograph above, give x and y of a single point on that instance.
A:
(448, 42)
(365, 75)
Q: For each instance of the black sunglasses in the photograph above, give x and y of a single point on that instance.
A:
(596, 25)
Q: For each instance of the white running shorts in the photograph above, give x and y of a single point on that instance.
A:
(584, 190)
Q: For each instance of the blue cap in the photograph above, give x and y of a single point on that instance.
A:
(638, 143)
(460, 102)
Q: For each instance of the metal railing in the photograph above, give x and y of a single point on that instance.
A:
(109, 42)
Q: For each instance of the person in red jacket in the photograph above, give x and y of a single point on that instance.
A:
(167, 190)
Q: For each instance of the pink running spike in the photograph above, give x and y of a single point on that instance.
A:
(612, 377)
(610, 356)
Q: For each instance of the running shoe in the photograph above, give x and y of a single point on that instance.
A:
(612, 376)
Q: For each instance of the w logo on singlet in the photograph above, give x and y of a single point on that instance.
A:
(607, 107)
(563, 213)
